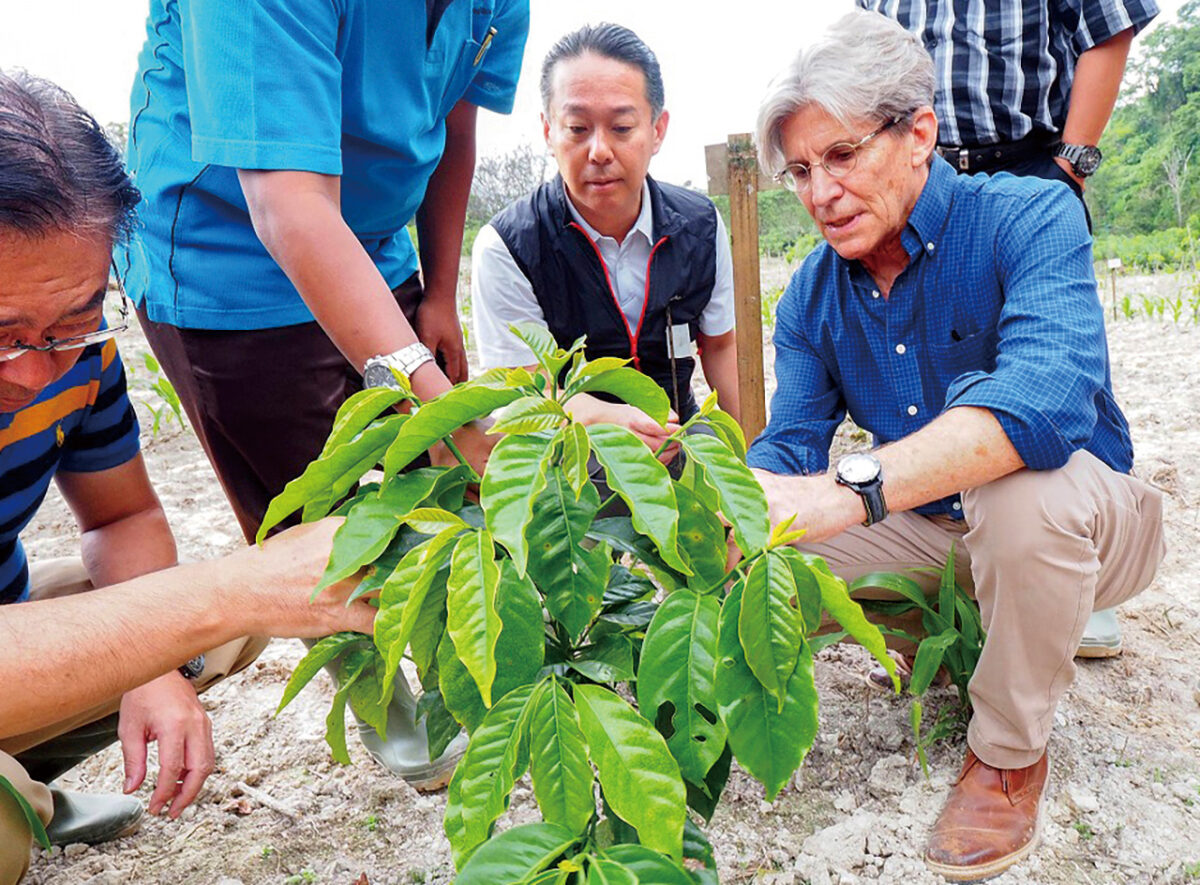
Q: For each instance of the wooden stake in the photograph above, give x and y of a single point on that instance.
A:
(743, 215)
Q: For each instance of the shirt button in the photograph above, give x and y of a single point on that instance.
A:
(875, 293)
(929, 246)
(912, 410)
(957, 505)
(900, 348)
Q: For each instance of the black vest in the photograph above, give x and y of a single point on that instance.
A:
(571, 282)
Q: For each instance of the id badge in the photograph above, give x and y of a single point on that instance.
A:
(679, 341)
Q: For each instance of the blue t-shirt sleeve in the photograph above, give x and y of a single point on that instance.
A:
(807, 406)
(264, 84)
(1051, 356)
(1091, 22)
(108, 434)
(494, 86)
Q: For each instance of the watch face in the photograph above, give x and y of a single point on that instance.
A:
(858, 468)
(1088, 162)
(379, 374)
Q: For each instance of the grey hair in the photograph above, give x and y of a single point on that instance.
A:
(866, 66)
(58, 170)
(607, 41)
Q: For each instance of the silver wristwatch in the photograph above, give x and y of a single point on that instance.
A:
(378, 370)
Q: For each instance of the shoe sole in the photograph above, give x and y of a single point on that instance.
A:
(1098, 651)
(984, 871)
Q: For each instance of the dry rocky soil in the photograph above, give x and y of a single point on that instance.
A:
(1123, 803)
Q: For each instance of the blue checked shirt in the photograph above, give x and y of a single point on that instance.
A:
(997, 309)
(1005, 69)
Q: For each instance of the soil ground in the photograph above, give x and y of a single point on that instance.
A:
(1123, 803)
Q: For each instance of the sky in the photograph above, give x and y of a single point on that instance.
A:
(716, 65)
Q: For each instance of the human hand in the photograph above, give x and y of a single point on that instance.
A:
(270, 586)
(820, 506)
(1066, 167)
(166, 710)
(588, 409)
(439, 329)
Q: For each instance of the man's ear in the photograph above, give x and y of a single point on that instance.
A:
(660, 129)
(545, 127)
(924, 132)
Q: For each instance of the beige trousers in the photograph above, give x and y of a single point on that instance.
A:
(86, 732)
(1039, 550)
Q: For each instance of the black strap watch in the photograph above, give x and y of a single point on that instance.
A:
(193, 669)
(862, 473)
(1084, 158)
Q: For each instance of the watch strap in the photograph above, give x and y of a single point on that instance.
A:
(872, 498)
(406, 360)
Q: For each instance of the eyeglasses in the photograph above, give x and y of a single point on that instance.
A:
(838, 160)
(75, 342)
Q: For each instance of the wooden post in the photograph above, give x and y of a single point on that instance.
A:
(743, 215)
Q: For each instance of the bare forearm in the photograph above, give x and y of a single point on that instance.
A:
(1094, 91)
(444, 210)
(304, 231)
(130, 547)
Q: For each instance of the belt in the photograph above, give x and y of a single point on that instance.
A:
(986, 157)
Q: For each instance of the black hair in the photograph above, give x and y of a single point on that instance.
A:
(58, 170)
(609, 41)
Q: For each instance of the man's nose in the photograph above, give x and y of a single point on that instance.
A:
(599, 151)
(823, 187)
(33, 370)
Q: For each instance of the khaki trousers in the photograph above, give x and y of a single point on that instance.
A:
(1039, 550)
(29, 760)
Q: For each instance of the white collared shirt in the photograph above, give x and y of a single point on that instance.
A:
(502, 294)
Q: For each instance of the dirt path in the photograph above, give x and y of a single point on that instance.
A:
(1124, 800)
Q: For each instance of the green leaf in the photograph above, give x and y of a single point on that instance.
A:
(609, 872)
(849, 614)
(643, 483)
(697, 847)
(31, 818)
(767, 743)
(513, 857)
(639, 776)
(946, 588)
(702, 539)
(562, 777)
(367, 691)
(471, 617)
(439, 418)
(431, 520)
(808, 590)
(440, 726)
(618, 532)
(545, 348)
(372, 523)
(358, 411)
(898, 584)
(928, 659)
(627, 384)
(318, 656)
(529, 414)
(608, 659)
(520, 650)
(497, 755)
(571, 576)
(770, 625)
(675, 683)
(702, 797)
(730, 432)
(335, 721)
(402, 598)
(625, 586)
(650, 867)
(742, 499)
(515, 475)
(576, 451)
(331, 476)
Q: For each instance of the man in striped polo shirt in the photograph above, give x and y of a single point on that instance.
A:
(64, 415)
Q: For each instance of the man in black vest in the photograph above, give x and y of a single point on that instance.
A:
(639, 267)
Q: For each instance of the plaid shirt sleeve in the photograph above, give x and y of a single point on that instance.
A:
(1052, 356)
(1091, 23)
(807, 406)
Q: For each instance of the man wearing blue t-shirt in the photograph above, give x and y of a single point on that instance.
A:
(282, 146)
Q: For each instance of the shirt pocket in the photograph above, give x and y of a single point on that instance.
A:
(975, 353)
(457, 73)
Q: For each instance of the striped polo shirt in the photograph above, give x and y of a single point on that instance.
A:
(83, 422)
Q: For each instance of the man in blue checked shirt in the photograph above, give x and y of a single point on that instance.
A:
(956, 318)
(1027, 88)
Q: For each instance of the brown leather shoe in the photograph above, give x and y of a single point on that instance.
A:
(991, 820)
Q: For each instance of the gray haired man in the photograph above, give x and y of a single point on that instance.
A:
(956, 319)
